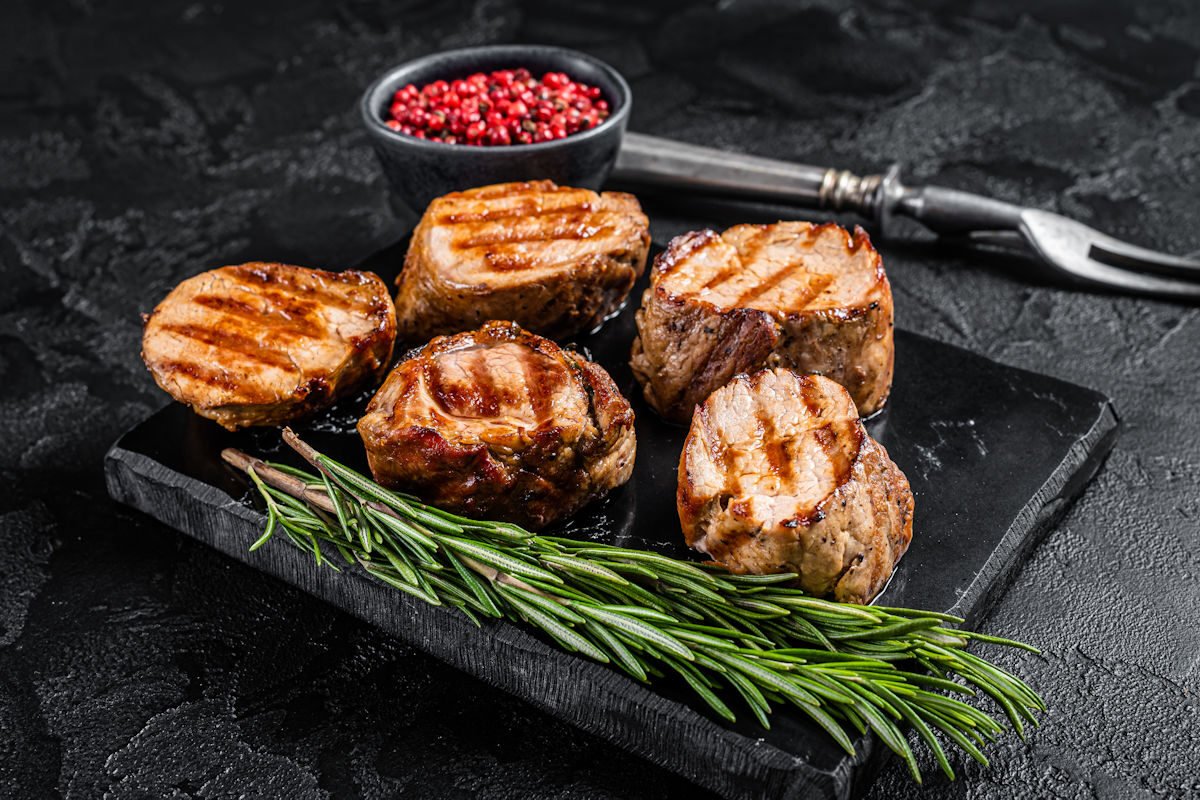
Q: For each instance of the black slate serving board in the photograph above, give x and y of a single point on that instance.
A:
(994, 454)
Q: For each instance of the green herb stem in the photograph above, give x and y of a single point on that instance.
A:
(849, 668)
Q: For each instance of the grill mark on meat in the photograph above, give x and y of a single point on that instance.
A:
(817, 283)
(811, 404)
(535, 209)
(775, 447)
(840, 461)
(256, 276)
(409, 393)
(769, 283)
(827, 440)
(515, 262)
(302, 326)
(317, 284)
(431, 377)
(200, 373)
(479, 395)
(342, 302)
(287, 299)
(484, 398)
(508, 263)
(233, 342)
(289, 306)
(723, 275)
(570, 229)
(539, 384)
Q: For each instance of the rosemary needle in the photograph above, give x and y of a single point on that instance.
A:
(849, 668)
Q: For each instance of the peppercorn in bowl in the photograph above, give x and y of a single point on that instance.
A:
(483, 115)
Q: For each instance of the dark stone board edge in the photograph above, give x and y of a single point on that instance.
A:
(591, 696)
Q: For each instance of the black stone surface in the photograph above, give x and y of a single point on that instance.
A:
(141, 142)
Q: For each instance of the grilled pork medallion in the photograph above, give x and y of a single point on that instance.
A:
(778, 474)
(265, 344)
(500, 423)
(555, 260)
(810, 297)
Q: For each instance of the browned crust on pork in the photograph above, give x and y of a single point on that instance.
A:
(266, 343)
(576, 444)
(554, 259)
(845, 540)
(688, 346)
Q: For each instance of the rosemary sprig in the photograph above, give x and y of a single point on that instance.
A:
(850, 668)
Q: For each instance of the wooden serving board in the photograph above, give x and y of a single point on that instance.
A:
(994, 455)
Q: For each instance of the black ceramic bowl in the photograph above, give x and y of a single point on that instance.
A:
(420, 170)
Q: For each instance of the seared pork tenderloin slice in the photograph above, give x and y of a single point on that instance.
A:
(265, 344)
(553, 259)
(778, 474)
(500, 423)
(810, 297)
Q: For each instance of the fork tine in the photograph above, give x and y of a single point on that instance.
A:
(1116, 253)
(1084, 269)
(1068, 246)
(1143, 283)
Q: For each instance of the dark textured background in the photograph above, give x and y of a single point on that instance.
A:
(141, 142)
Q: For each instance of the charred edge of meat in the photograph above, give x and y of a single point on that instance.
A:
(294, 298)
(546, 479)
(676, 361)
(867, 505)
(570, 294)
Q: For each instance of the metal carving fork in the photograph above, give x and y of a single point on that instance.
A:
(1069, 247)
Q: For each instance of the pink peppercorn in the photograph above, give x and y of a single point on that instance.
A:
(499, 108)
